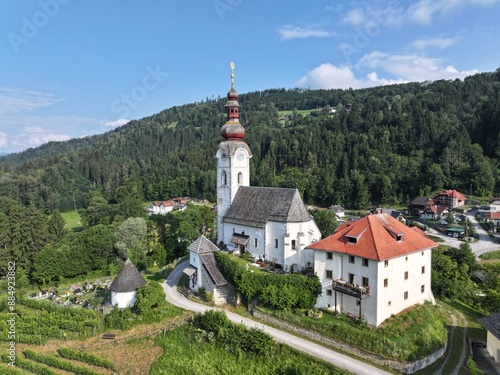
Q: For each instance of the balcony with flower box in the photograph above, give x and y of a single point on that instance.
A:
(357, 291)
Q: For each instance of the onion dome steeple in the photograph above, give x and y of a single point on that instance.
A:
(232, 129)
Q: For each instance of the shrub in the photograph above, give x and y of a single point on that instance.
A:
(233, 337)
(119, 319)
(278, 291)
(212, 320)
(149, 296)
(258, 341)
(209, 296)
(473, 367)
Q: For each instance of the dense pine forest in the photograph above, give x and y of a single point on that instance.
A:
(383, 145)
(356, 148)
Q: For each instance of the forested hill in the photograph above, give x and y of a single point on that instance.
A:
(383, 145)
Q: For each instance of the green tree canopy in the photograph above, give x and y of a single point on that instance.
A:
(149, 296)
(326, 221)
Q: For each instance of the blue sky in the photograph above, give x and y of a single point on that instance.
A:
(75, 68)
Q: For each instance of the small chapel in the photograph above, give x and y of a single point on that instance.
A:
(270, 223)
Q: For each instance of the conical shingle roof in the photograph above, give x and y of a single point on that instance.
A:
(127, 280)
(202, 245)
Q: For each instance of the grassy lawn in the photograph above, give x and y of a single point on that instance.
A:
(474, 330)
(494, 255)
(435, 238)
(188, 352)
(243, 262)
(407, 337)
(73, 220)
(303, 112)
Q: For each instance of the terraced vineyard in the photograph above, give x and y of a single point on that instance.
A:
(68, 360)
(39, 321)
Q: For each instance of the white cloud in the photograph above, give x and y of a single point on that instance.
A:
(328, 76)
(3, 139)
(412, 67)
(396, 14)
(117, 123)
(433, 42)
(39, 139)
(33, 129)
(354, 17)
(399, 68)
(289, 32)
(30, 131)
(19, 100)
(375, 13)
(424, 10)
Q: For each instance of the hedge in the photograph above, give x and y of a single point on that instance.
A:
(276, 290)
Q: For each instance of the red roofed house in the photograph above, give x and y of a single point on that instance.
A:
(450, 199)
(435, 213)
(374, 268)
(161, 207)
(494, 219)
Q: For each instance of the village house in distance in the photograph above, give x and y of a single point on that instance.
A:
(272, 224)
(373, 268)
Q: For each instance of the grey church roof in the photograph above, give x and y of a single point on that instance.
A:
(202, 245)
(255, 206)
(127, 280)
(492, 324)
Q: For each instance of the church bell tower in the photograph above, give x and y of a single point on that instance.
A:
(233, 158)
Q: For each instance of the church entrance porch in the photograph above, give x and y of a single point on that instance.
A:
(240, 242)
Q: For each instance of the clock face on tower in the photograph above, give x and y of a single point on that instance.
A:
(240, 155)
(223, 155)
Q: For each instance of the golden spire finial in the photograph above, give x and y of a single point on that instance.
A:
(231, 65)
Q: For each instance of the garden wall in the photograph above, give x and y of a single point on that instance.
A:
(404, 367)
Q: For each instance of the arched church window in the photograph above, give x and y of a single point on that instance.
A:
(240, 178)
(224, 178)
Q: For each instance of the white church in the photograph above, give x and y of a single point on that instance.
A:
(270, 223)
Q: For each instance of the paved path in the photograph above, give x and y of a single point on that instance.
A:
(318, 351)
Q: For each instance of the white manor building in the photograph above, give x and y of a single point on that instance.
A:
(270, 223)
(374, 268)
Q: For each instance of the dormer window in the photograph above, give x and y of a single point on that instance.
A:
(397, 236)
(352, 240)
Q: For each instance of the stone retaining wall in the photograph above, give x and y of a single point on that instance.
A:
(404, 367)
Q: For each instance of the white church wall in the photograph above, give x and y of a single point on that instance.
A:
(275, 235)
